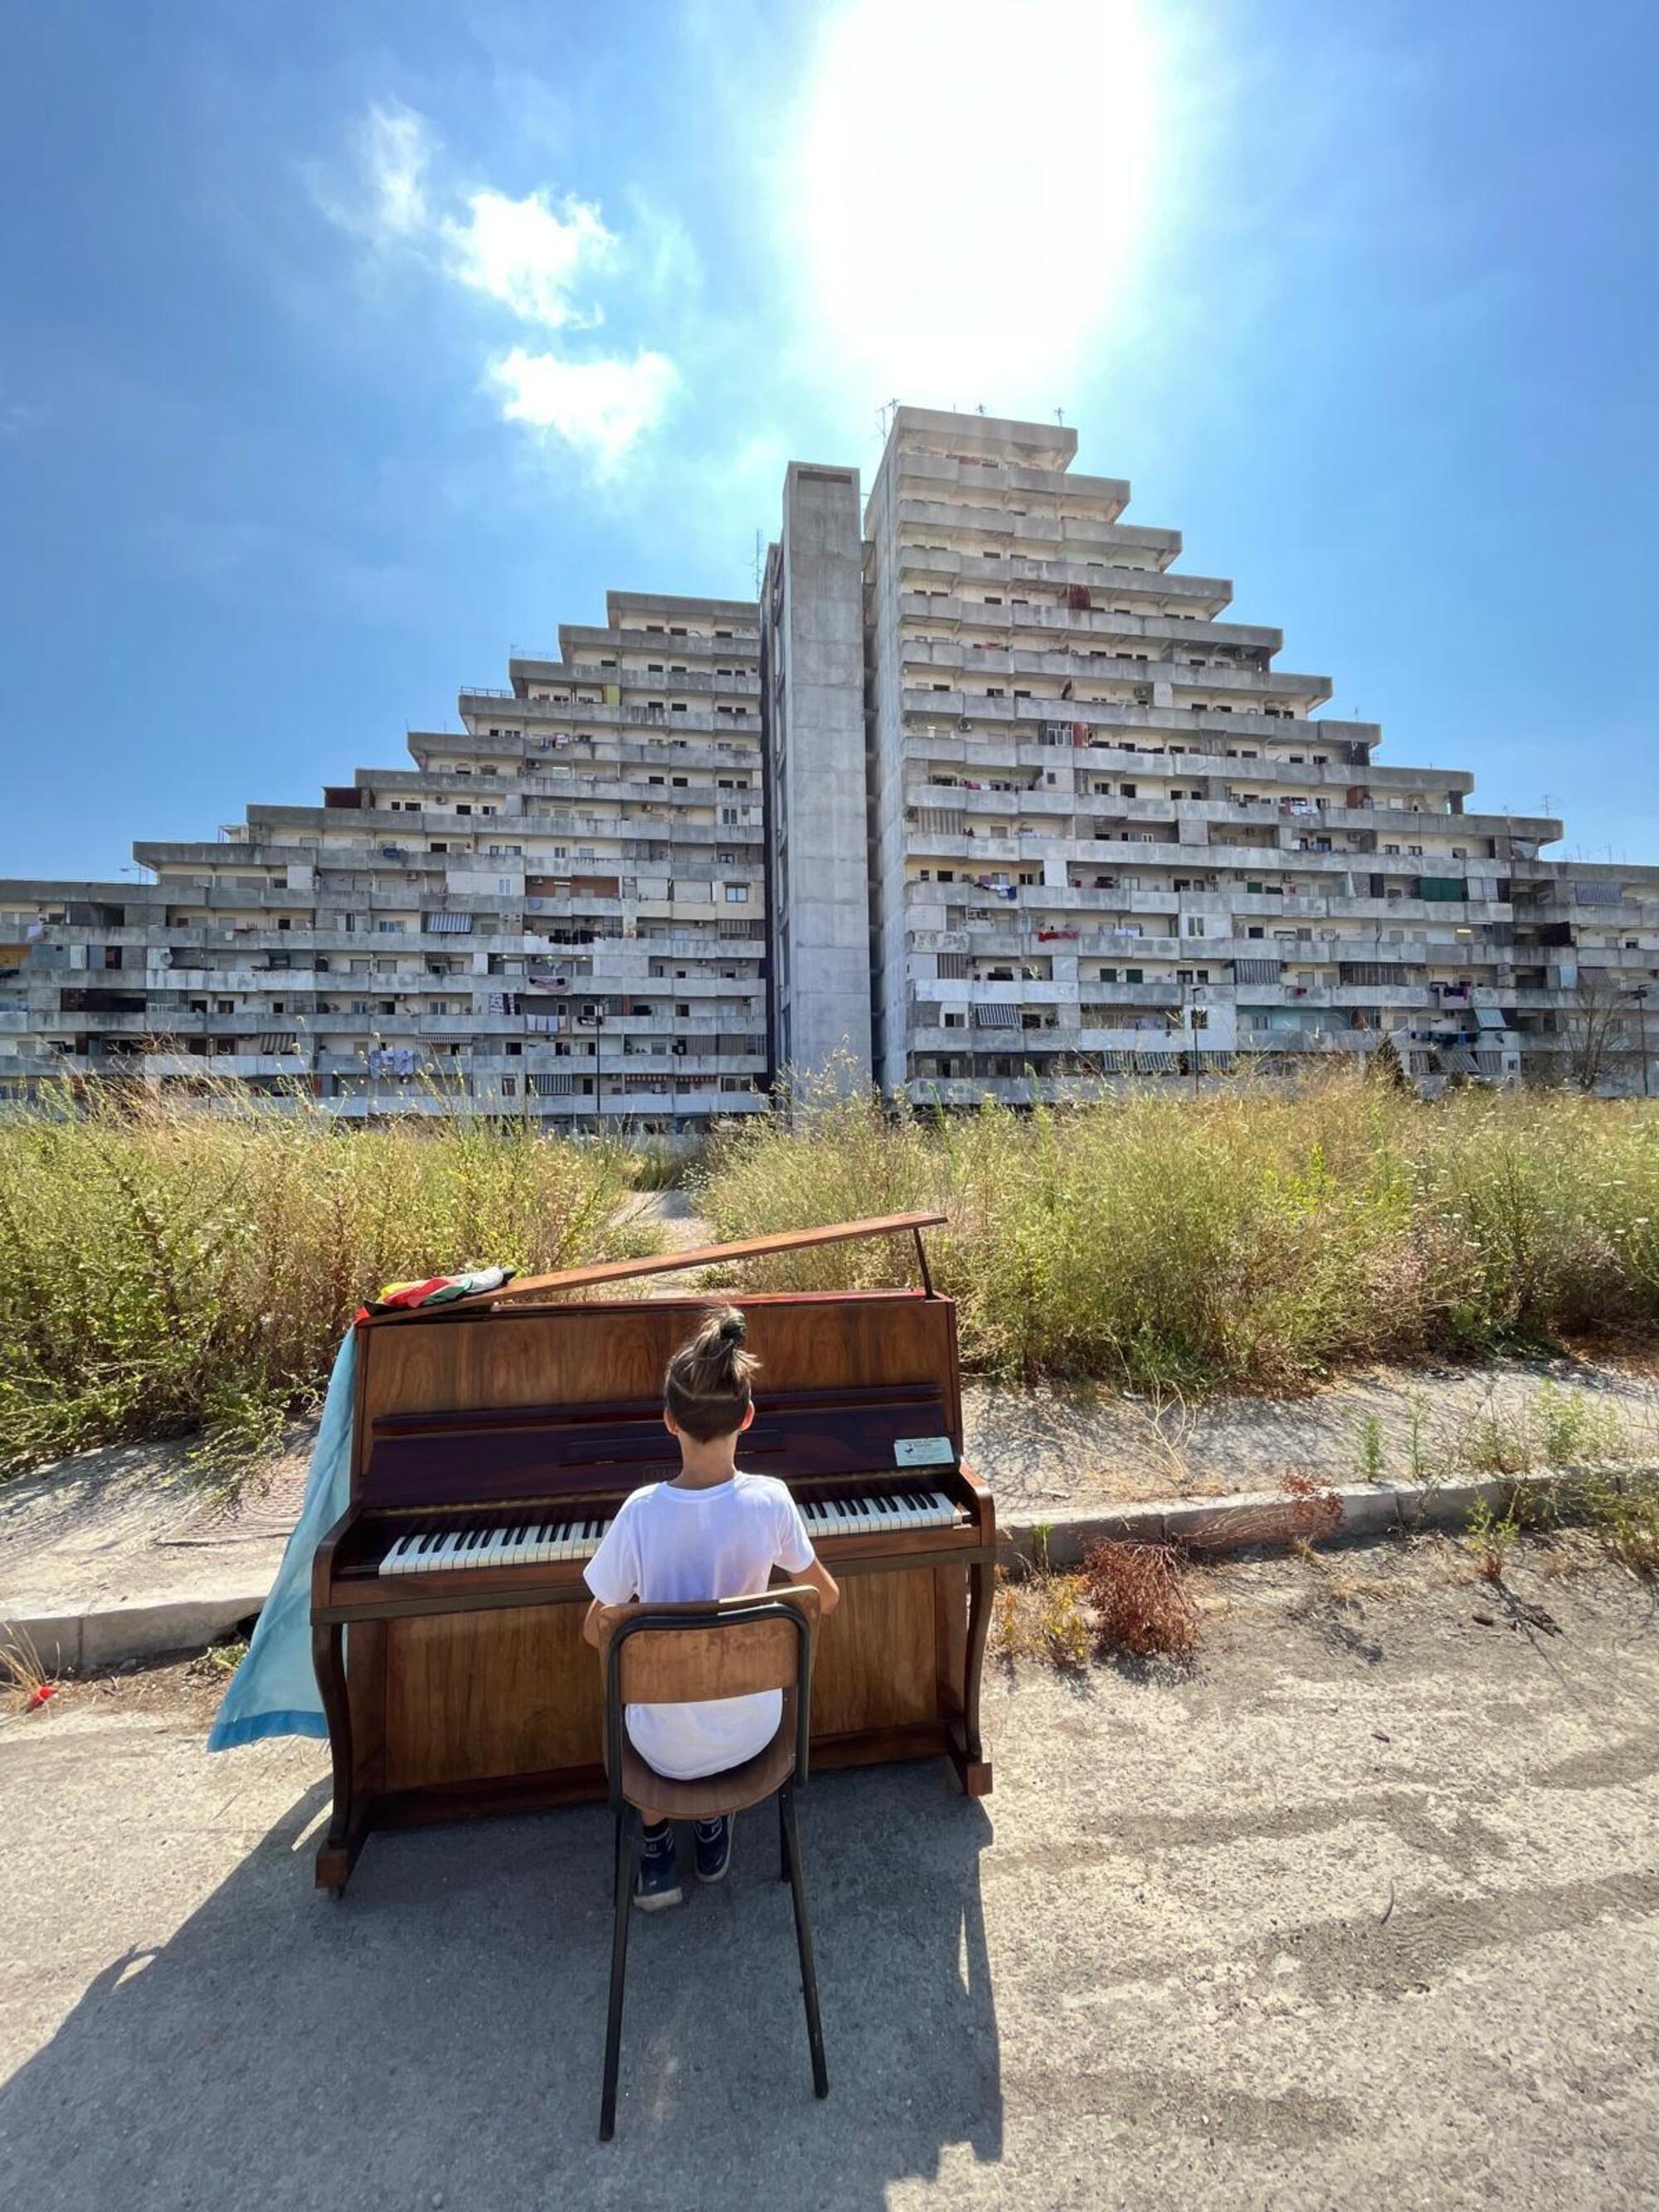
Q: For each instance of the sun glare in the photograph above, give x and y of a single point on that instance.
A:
(970, 184)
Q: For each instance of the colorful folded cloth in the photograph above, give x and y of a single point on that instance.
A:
(439, 1290)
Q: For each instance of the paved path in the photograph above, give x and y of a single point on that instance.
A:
(1366, 1912)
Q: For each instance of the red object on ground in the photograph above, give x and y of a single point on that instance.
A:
(38, 1695)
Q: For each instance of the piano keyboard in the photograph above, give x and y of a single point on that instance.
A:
(431, 1551)
(434, 1551)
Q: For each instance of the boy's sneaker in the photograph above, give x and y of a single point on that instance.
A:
(656, 1878)
(714, 1842)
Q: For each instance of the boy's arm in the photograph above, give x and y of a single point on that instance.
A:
(590, 1621)
(817, 1577)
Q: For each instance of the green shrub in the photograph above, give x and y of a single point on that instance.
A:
(168, 1266)
(1252, 1236)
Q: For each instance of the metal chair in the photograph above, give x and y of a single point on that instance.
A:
(681, 1654)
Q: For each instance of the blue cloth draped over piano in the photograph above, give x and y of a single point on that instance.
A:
(274, 1690)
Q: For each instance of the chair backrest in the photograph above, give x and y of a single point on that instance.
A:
(676, 1654)
(669, 1655)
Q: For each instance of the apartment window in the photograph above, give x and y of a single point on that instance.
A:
(225, 1007)
(509, 1086)
(1193, 925)
(737, 894)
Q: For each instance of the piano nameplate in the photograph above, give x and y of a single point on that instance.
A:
(924, 1452)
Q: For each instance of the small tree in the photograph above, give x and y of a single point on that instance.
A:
(1598, 1038)
(1386, 1068)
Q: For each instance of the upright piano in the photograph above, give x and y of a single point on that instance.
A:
(494, 1438)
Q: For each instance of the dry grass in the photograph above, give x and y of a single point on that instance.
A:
(169, 1267)
(25, 1685)
(1253, 1237)
(1043, 1617)
(1142, 1598)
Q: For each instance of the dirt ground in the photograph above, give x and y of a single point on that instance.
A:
(1363, 1909)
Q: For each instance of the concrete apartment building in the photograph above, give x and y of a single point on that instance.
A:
(1110, 838)
(558, 912)
(985, 795)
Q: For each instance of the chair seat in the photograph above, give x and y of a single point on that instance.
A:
(733, 1791)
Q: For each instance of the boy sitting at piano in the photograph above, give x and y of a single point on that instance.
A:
(711, 1532)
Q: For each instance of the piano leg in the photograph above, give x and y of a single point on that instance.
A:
(337, 1854)
(973, 1768)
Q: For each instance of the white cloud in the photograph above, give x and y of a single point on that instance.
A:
(965, 189)
(522, 253)
(602, 408)
(395, 147)
(529, 256)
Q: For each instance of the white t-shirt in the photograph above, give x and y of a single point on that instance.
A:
(670, 1547)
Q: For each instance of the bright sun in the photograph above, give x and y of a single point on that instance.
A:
(970, 185)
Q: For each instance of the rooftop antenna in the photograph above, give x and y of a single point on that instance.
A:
(979, 409)
(759, 568)
(1060, 416)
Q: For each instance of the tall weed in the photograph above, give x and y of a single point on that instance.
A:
(169, 1267)
(1253, 1236)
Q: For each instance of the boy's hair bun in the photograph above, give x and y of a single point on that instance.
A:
(705, 1389)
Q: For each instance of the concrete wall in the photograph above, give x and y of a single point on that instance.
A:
(815, 748)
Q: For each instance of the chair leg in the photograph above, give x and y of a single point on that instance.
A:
(621, 1901)
(809, 1973)
(783, 1843)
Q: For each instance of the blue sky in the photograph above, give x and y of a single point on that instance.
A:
(345, 348)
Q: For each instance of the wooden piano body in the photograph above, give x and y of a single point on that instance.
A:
(472, 1691)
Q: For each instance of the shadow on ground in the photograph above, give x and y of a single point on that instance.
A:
(435, 2036)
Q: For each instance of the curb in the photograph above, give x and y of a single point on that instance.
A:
(119, 1634)
(115, 1635)
(1269, 1521)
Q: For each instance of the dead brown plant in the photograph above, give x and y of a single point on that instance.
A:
(1142, 1598)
